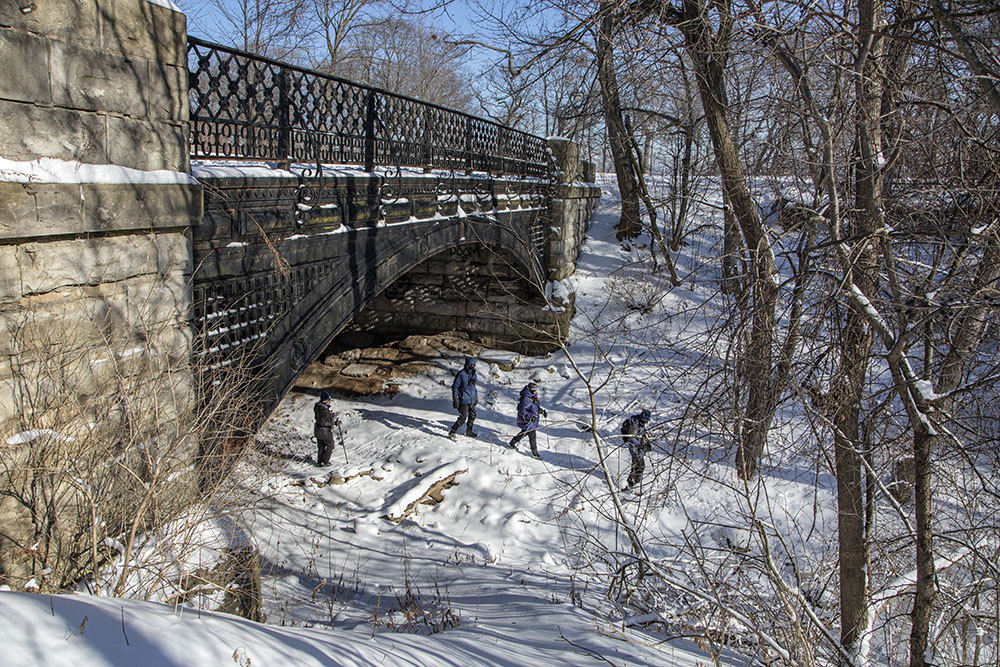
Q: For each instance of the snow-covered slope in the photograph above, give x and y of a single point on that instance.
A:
(499, 572)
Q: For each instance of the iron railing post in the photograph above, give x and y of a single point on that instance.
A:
(284, 119)
(370, 132)
(468, 144)
(428, 143)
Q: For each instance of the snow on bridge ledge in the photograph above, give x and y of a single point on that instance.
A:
(51, 170)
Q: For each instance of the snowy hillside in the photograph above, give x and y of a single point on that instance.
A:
(498, 572)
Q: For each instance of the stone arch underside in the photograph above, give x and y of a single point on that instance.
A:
(476, 290)
(370, 272)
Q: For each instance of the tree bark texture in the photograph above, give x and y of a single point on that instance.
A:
(619, 140)
(856, 339)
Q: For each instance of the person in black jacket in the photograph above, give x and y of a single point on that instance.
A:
(325, 421)
(635, 438)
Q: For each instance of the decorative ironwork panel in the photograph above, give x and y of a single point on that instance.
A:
(248, 107)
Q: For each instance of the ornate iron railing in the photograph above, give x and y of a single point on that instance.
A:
(248, 107)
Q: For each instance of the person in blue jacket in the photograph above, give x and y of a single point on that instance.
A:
(528, 411)
(465, 397)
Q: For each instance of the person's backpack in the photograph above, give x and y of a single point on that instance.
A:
(629, 427)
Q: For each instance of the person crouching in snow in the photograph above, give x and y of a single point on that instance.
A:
(325, 421)
(527, 418)
(464, 397)
(637, 441)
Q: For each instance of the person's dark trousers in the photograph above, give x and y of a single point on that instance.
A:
(466, 411)
(638, 466)
(532, 440)
(324, 438)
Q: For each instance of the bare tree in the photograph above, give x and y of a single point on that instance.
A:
(273, 28)
(405, 56)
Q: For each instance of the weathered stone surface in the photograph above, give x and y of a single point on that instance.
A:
(567, 158)
(137, 28)
(141, 144)
(92, 80)
(137, 309)
(32, 210)
(30, 131)
(46, 266)
(66, 21)
(359, 370)
(167, 92)
(25, 60)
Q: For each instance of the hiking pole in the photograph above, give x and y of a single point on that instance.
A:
(342, 443)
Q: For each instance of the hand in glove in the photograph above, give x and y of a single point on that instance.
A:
(543, 412)
(454, 403)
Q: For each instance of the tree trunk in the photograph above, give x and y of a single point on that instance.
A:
(708, 52)
(853, 558)
(923, 445)
(856, 346)
(619, 140)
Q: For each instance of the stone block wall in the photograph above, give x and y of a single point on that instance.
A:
(95, 81)
(574, 202)
(470, 289)
(95, 266)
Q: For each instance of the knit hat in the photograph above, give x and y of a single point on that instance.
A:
(325, 395)
(645, 416)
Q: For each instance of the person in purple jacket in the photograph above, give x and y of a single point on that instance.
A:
(528, 411)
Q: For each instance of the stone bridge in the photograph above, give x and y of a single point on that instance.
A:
(170, 206)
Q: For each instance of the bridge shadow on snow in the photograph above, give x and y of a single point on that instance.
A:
(396, 420)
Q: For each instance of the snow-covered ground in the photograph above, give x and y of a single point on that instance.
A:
(503, 570)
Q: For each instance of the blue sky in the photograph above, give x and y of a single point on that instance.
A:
(206, 21)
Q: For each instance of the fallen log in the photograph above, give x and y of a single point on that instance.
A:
(427, 486)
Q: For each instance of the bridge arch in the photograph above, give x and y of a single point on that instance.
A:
(373, 266)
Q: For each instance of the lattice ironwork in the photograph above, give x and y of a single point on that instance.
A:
(248, 107)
